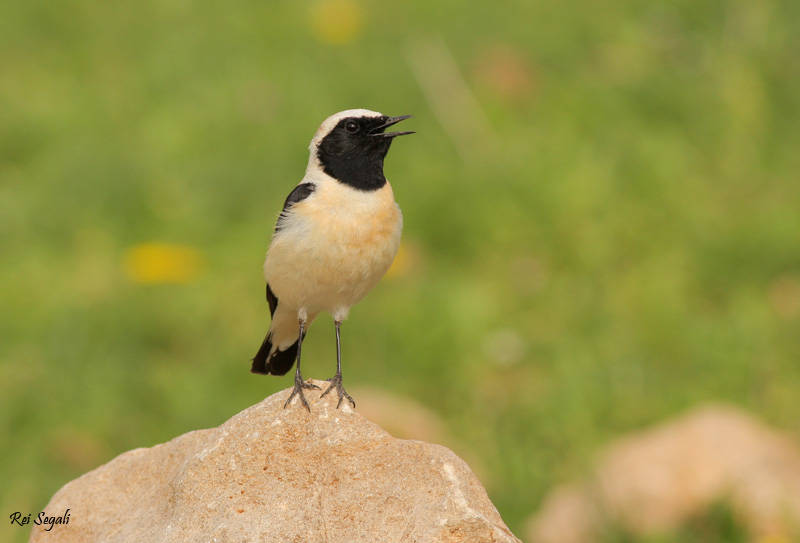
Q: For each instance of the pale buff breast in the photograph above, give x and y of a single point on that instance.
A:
(333, 247)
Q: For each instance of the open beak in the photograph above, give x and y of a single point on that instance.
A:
(379, 130)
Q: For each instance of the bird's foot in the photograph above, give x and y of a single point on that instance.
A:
(299, 385)
(336, 382)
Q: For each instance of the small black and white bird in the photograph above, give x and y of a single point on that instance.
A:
(337, 235)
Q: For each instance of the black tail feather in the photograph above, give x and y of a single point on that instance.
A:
(278, 364)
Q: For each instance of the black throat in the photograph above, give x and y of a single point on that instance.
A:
(355, 159)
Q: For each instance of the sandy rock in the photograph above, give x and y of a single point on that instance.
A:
(283, 475)
(653, 481)
(406, 418)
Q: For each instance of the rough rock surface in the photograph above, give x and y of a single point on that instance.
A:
(280, 475)
(653, 481)
(407, 418)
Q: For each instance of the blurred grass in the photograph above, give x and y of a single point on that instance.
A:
(619, 242)
(717, 523)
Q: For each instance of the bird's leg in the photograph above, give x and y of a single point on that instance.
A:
(336, 380)
(299, 385)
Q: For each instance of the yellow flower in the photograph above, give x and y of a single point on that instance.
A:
(155, 262)
(336, 22)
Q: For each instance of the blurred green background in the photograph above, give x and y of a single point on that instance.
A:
(602, 209)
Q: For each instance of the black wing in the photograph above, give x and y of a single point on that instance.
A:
(272, 300)
(281, 361)
(300, 193)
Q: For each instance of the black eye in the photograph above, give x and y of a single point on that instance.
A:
(352, 127)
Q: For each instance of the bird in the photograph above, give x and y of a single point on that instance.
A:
(337, 235)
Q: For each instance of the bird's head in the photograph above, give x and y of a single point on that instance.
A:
(350, 147)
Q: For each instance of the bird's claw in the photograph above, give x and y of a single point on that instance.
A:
(336, 383)
(299, 385)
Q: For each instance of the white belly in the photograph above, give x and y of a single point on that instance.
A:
(333, 248)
